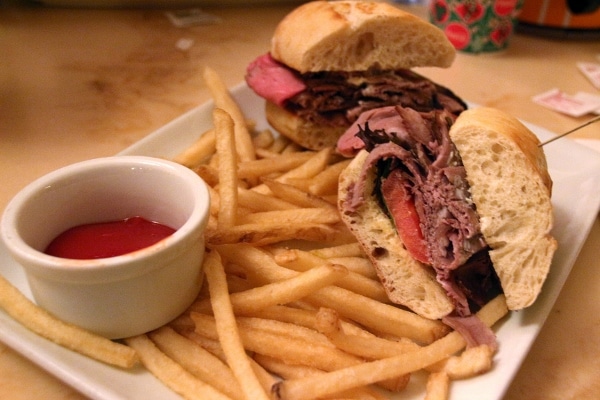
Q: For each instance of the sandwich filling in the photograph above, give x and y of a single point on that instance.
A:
(337, 98)
(421, 185)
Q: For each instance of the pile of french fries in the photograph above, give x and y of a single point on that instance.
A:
(291, 309)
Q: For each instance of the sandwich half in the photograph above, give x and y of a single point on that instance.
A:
(331, 61)
(452, 211)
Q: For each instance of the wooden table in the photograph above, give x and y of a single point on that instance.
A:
(83, 83)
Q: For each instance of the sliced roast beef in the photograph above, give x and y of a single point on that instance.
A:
(338, 98)
(272, 80)
(416, 146)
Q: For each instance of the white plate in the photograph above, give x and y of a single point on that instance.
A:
(574, 168)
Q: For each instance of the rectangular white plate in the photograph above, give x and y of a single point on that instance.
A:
(574, 168)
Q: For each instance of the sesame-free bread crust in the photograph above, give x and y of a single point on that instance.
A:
(511, 188)
(358, 35)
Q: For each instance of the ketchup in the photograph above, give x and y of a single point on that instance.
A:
(107, 239)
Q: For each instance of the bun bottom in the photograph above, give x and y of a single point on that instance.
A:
(301, 131)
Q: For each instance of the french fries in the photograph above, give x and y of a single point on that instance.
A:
(318, 329)
(289, 291)
(171, 373)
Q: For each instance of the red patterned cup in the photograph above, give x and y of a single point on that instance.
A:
(476, 26)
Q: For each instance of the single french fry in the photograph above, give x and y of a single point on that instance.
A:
(198, 361)
(287, 371)
(228, 192)
(296, 196)
(306, 318)
(257, 262)
(264, 377)
(258, 168)
(285, 329)
(471, 362)
(327, 181)
(200, 150)
(72, 337)
(279, 145)
(222, 98)
(377, 316)
(387, 368)
(213, 346)
(298, 216)
(258, 202)
(170, 373)
(227, 329)
(208, 173)
(369, 347)
(360, 265)
(260, 234)
(438, 386)
(263, 139)
(282, 292)
(299, 260)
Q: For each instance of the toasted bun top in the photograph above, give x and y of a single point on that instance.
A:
(511, 187)
(357, 35)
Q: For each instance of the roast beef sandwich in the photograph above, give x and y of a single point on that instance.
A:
(330, 61)
(452, 211)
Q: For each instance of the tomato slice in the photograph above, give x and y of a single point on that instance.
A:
(401, 206)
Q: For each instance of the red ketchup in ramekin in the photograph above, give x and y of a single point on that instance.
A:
(108, 239)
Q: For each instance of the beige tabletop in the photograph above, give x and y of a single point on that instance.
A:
(77, 84)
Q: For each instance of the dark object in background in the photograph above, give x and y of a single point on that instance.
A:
(563, 19)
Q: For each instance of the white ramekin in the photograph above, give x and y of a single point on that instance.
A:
(118, 296)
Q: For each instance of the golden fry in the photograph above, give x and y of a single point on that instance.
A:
(303, 261)
(345, 250)
(282, 292)
(288, 371)
(263, 139)
(222, 98)
(67, 335)
(298, 216)
(227, 329)
(370, 347)
(256, 169)
(326, 182)
(296, 196)
(255, 201)
(228, 181)
(471, 362)
(260, 234)
(200, 150)
(438, 386)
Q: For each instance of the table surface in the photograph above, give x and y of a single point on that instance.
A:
(82, 83)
